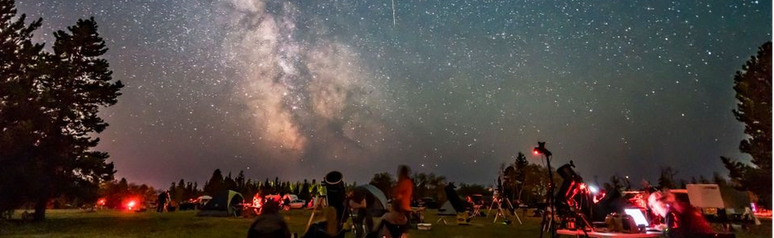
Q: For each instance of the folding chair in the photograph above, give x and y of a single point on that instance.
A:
(476, 210)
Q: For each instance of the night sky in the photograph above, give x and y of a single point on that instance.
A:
(298, 88)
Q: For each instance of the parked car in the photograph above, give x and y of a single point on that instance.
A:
(274, 197)
(297, 204)
(188, 205)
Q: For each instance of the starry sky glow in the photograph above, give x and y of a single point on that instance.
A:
(456, 87)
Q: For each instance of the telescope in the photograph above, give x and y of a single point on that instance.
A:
(541, 149)
(335, 193)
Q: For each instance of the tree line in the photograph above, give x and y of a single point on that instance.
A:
(306, 190)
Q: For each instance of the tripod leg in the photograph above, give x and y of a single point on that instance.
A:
(490, 207)
(543, 224)
(510, 205)
(499, 211)
(312, 216)
(551, 224)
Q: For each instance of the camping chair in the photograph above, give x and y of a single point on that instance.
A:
(476, 210)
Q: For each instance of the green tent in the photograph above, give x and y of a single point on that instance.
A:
(224, 203)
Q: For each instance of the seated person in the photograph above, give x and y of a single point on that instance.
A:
(394, 224)
(269, 223)
(682, 219)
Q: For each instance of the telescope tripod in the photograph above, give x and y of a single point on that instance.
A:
(500, 213)
(547, 222)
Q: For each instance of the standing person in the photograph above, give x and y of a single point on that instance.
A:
(404, 190)
(162, 201)
(359, 203)
(286, 203)
(168, 200)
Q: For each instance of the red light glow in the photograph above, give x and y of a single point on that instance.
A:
(535, 152)
(130, 205)
(257, 201)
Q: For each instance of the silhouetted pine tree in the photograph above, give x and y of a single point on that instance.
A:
(241, 182)
(19, 73)
(753, 93)
(49, 106)
(229, 183)
(304, 192)
(667, 178)
(215, 184)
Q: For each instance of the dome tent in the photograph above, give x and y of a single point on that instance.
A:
(224, 203)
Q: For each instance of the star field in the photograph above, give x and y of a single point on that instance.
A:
(297, 88)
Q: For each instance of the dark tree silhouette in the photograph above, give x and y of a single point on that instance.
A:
(472, 189)
(383, 181)
(229, 183)
(117, 192)
(80, 84)
(521, 174)
(304, 193)
(178, 195)
(49, 106)
(19, 71)
(241, 182)
(215, 184)
(667, 178)
(520, 164)
(753, 93)
(429, 185)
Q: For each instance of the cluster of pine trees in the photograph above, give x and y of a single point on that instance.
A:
(49, 104)
(118, 193)
(182, 191)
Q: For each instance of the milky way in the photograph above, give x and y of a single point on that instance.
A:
(297, 88)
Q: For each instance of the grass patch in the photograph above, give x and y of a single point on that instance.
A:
(110, 223)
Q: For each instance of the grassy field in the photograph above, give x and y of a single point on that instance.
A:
(109, 223)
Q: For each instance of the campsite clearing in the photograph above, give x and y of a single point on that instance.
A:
(112, 223)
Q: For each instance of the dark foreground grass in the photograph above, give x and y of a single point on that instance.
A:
(109, 223)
